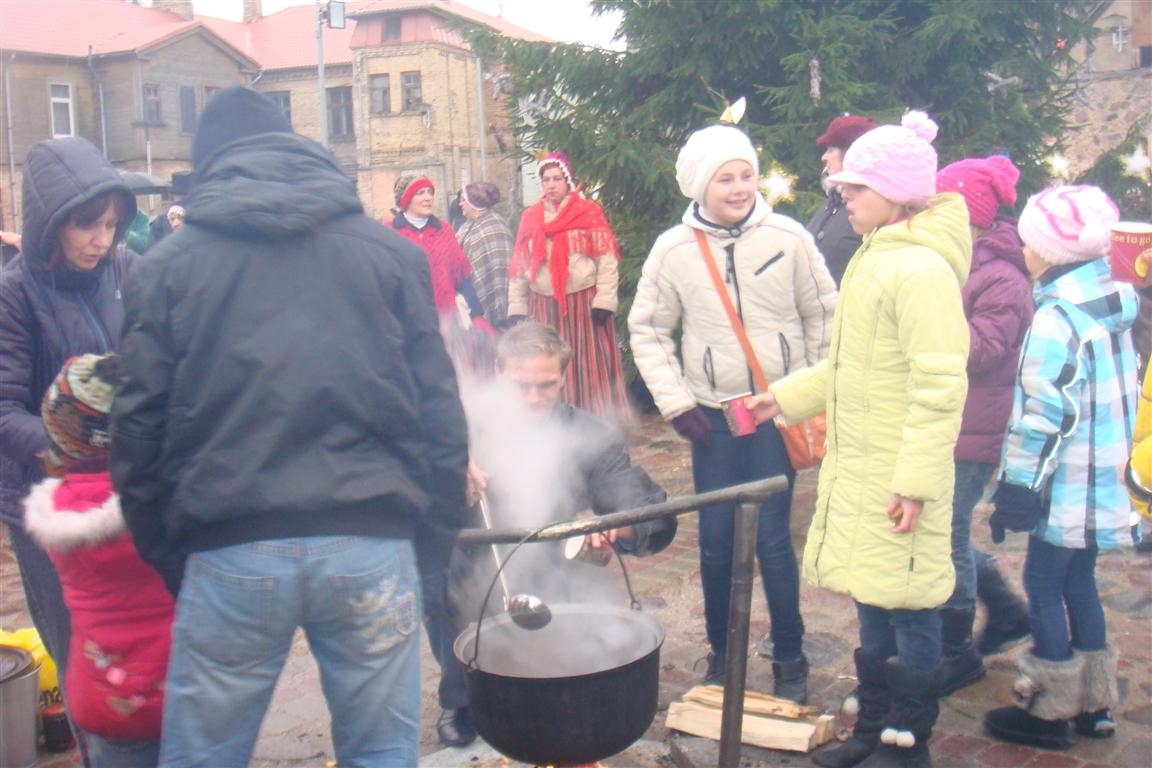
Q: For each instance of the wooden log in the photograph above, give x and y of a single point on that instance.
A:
(754, 703)
(793, 735)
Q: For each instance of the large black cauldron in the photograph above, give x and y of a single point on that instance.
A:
(579, 690)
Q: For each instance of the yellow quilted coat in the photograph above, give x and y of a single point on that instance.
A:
(893, 386)
(1140, 471)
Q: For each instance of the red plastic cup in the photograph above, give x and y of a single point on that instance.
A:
(740, 420)
(1130, 239)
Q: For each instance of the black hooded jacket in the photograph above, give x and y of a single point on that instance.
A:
(49, 313)
(283, 373)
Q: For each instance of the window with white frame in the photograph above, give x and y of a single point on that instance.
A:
(413, 94)
(380, 89)
(63, 116)
(151, 97)
(340, 112)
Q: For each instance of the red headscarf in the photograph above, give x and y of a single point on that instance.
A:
(579, 227)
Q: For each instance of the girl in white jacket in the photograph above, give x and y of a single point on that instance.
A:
(781, 288)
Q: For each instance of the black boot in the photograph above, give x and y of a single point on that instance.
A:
(1007, 614)
(872, 697)
(1047, 694)
(961, 664)
(790, 680)
(455, 727)
(911, 716)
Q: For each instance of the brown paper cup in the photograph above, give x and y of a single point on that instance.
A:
(1130, 239)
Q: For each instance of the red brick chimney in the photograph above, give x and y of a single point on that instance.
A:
(253, 9)
(182, 8)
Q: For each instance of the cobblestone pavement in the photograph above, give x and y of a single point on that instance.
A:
(295, 731)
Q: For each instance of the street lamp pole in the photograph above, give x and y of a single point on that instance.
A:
(320, 72)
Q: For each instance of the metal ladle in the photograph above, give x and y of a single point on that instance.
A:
(527, 611)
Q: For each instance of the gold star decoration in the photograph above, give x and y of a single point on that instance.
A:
(776, 185)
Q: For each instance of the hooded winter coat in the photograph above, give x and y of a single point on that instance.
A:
(778, 284)
(51, 312)
(121, 611)
(998, 305)
(893, 385)
(1074, 409)
(283, 373)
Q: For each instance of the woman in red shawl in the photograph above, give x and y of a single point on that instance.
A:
(564, 274)
(472, 352)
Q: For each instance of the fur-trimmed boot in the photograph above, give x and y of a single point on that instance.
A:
(911, 716)
(1099, 695)
(960, 663)
(871, 702)
(1047, 694)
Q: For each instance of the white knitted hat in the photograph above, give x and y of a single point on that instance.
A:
(707, 150)
(1066, 224)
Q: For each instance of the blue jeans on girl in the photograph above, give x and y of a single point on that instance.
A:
(913, 637)
(726, 461)
(1063, 604)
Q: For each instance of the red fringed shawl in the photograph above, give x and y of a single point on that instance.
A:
(582, 229)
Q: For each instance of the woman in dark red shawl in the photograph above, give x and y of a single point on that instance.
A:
(564, 274)
(467, 334)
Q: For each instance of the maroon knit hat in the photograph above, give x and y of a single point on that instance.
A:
(561, 161)
(844, 130)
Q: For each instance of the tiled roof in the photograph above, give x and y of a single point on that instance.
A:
(284, 39)
(281, 40)
(445, 7)
(73, 27)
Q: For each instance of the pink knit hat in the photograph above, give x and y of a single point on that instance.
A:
(1064, 225)
(561, 161)
(896, 161)
(985, 183)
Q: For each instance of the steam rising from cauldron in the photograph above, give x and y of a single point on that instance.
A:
(533, 480)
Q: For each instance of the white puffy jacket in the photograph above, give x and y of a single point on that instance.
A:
(779, 284)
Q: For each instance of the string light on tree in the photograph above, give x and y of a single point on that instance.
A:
(1138, 164)
(1059, 166)
(776, 185)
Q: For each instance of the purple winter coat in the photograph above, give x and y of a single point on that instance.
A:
(998, 305)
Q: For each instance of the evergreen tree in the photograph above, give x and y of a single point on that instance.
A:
(993, 74)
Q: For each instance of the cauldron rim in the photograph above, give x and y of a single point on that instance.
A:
(464, 642)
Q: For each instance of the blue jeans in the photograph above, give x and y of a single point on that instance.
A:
(971, 478)
(729, 461)
(913, 637)
(358, 601)
(116, 753)
(1061, 588)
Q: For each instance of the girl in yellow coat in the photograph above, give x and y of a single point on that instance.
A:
(893, 386)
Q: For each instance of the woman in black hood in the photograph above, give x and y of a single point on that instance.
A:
(60, 297)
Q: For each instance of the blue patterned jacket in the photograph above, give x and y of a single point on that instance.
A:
(1075, 406)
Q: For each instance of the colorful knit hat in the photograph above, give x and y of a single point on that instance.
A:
(985, 183)
(407, 187)
(481, 194)
(75, 411)
(561, 161)
(1064, 225)
(842, 131)
(895, 161)
(705, 151)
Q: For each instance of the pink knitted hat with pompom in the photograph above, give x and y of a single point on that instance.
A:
(985, 183)
(896, 161)
(1064, 225)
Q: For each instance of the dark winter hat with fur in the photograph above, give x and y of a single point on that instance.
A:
(481, 194)
(75, 411)
(233, 114)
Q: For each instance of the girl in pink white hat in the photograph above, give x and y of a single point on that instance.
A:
(1062, 474)
(893, 386)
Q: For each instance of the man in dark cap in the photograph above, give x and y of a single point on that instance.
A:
(287, 417)
(834, 235)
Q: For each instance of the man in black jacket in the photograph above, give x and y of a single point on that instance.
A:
(287, 416)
